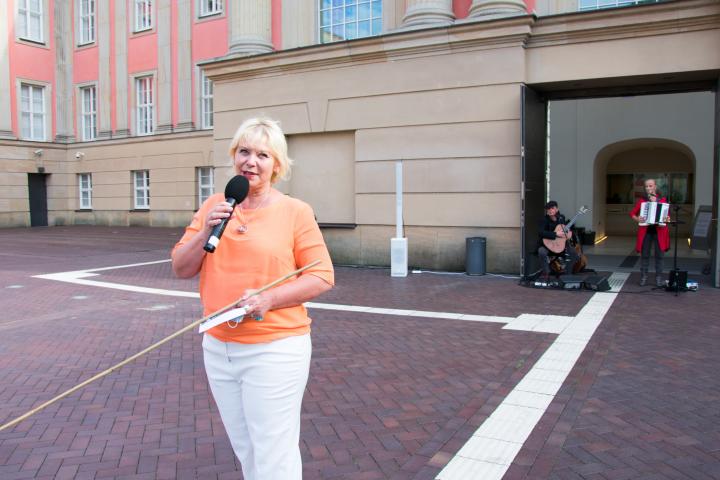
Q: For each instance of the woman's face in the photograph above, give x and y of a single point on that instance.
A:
(256, 163)
(650, 187)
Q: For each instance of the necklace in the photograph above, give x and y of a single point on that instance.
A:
(243, 228)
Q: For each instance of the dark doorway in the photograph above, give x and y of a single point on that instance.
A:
(534, 136)
(37, 190)
(534, 103)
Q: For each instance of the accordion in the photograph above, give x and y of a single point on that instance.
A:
(655, 213)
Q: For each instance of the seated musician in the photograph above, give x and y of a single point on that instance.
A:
(548, 230)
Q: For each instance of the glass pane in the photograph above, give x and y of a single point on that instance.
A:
(325, 35)
(25, 120)
(363, 11)
(377, 9)
(587, 4)
(351, 31)
(325, 18)
(38, 127)
(337, 15)
(607, 3)
(34, 6)
(351, 13)
(37, 100)
(25, 99)
(325, 4)
(337, 3)
(377, 26)
(338, 32)
(364, 29)
(35, 28)
(22, 26)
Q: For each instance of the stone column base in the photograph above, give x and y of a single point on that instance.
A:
(250, 46)
(491, 9)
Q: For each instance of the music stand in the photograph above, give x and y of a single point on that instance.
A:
(674, 276)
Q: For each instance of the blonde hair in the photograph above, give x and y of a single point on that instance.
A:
(254, 131)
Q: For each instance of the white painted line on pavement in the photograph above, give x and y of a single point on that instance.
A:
(493, 447)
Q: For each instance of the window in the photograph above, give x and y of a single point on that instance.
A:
(144, 110)
(32, 112)
(141, 182)
(210, 7)
(598, 4)
(88, 99)
(87, 21)
(30, 20)
(143, 15)
(206, 183)
(206, 101)
(348, 19)
(627, 188)
(85, 190)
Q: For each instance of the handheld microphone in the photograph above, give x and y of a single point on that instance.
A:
(235, 192)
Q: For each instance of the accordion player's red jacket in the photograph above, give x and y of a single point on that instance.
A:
(663, 232)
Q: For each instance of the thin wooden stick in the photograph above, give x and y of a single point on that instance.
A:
(151, 347)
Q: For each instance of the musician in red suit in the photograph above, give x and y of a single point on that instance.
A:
(547, 230)
(651, 237)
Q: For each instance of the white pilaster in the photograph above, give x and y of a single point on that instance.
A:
(5, 111)
(164, 68)
(64, 131)
(121, 70)
(104, 96)
(184, 65)
(250, 27)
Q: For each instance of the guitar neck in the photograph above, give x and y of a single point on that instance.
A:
(569, 225)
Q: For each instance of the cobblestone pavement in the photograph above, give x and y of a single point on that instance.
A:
(389, 396)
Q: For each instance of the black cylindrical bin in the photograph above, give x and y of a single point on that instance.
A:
(475, 255)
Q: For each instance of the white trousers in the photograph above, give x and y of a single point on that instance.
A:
(258, 389)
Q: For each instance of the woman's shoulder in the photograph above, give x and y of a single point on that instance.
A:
(213, 199)
(294, 204)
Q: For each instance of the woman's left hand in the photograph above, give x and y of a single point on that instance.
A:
(256, 305)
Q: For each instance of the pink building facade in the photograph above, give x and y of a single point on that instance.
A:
(100, 69)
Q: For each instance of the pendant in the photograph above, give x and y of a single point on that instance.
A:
(242, 229)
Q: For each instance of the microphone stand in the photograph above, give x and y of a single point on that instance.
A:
(675, 271)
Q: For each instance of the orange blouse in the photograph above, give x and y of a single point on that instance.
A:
(281, 237)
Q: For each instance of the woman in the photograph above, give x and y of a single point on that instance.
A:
(650, 236)
(258, 368)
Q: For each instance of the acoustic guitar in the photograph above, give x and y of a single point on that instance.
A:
(557, 245)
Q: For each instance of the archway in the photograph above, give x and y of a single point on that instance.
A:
(619, 170)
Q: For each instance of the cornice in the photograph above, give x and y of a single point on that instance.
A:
(395, 46)
(158, 137)
(613, 24)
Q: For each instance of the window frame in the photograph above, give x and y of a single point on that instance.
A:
(203, 13)
(209, 187)
(330, 27)
(206, 102)
(84, 189)
(141, 192)
(84, 114)
(86, 36)
(31, 113)
(142, 15)
(144, 110)
(23, 11)
(614, 4)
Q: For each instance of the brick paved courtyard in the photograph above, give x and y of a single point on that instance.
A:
(390, 395)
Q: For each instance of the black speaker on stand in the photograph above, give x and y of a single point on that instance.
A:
(677, 280)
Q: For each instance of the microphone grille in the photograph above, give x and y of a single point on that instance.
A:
(237, 188)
